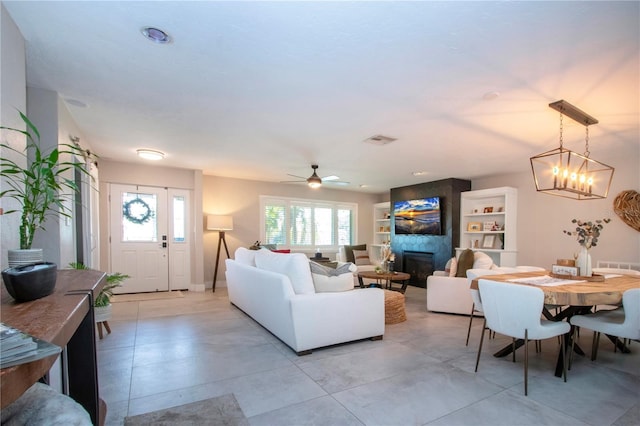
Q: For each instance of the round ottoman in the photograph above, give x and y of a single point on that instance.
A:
(394, 307)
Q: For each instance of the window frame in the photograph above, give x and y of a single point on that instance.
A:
(289, 202)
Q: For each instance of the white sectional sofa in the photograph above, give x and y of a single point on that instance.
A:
(278, 292)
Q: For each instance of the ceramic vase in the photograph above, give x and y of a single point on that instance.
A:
(584, 262)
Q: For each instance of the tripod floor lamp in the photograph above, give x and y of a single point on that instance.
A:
(220, 224)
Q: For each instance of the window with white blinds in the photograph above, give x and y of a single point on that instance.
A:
(297, 223)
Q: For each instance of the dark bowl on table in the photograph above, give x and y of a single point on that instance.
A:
(30, 282)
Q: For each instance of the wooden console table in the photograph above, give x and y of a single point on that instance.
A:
(64, 318)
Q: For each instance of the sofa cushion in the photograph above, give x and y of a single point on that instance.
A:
(465, 261)
(348, 251)
(361, 257)
(294, 265)
(246, 256)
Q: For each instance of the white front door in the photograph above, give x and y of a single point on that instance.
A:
(138, 235)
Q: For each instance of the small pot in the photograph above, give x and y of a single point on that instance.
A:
(19, 257)
(30, 282)
(102, 313)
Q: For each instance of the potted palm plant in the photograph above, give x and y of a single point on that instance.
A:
(41, 187)
(102, 302)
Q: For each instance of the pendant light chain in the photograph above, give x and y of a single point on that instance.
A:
(586, 142)
(560, 130)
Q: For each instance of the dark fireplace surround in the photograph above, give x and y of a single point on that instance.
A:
(438, 248)
(419, 265)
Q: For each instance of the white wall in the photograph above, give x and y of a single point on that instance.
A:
(13, 87)
(542, 218)
(240, 199)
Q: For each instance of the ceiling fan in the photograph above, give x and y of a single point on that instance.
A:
(315, 181)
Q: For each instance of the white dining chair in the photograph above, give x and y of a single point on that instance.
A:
(615, 271)
(514, 310)
(612, 271)
(476, 307)
(622, 323)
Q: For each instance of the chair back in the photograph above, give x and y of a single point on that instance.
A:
(511, 308)
(631, 306)
(524, 268)
(472, 274)
(621, 271)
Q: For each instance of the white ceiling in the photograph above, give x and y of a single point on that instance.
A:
(256, 90)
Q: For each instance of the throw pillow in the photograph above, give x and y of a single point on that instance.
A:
(331, 271)
(361, 257)
(282, 251)
(294, 265)
(327, 279)
(348, 251)
(246, 256)
(482, 260)
(465, 261)
(326, 284)
(453, 267)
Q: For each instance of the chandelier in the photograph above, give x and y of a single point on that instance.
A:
(566, 173)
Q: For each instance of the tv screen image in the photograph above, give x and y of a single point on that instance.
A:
(418, 216)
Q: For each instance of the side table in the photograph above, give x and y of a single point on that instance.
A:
(386, 279)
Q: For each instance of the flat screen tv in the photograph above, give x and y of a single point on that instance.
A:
(418, 216)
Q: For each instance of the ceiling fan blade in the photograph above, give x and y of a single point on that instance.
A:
(292, 181)
(338, 182)
(296, 176)
(329, 178)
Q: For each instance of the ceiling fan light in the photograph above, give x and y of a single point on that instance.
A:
(314, 181)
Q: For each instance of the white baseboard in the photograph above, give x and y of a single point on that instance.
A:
(197, 287)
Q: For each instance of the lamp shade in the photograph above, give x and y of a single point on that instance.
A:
(219, 223)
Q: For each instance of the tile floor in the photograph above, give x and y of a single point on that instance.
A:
(171, 352)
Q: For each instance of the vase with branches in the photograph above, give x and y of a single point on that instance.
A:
(587, 233)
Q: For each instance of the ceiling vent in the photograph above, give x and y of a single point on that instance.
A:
(379, 140)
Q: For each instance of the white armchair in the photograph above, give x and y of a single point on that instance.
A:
(374, 261)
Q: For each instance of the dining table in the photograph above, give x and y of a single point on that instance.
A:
(573, 295)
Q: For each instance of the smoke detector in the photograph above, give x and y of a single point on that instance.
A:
(379, 140)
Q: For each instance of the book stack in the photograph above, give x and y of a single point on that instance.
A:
(17, 347)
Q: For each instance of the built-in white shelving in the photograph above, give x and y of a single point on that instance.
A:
(381, 224)
(488, 223)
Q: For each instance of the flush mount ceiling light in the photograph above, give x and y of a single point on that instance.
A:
(150, 154)
(156, 35)
(568, 174)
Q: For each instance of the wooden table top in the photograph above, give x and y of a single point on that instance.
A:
(53, 318)
(401, 276)
(583, 293)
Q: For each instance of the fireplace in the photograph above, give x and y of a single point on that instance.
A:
(419, 265)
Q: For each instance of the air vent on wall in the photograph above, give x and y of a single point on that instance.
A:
(379, 140)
